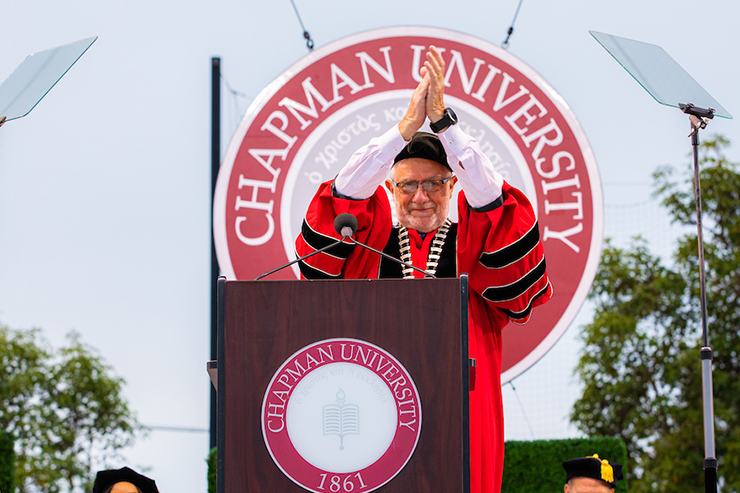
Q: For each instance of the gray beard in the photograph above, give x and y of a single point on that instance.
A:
(443, 211)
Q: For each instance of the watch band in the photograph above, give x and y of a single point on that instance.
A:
(448, 118)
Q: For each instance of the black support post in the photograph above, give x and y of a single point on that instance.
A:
(215, 163)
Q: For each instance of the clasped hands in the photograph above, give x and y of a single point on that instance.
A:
(427, 99)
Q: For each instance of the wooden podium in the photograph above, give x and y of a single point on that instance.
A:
(423, 324)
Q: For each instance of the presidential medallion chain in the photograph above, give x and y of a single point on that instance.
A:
(435, 250)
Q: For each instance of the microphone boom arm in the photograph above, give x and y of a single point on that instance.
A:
(327, 247)
(383, 254)
(346, 225)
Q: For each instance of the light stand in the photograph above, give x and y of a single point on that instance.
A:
(669, 84)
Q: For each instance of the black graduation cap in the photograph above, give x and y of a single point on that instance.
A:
(593, 467)
(426, 146)
(107, 478)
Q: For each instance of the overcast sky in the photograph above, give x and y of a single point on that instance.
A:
(105, 186)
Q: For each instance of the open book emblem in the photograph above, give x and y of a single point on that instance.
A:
(341, 418)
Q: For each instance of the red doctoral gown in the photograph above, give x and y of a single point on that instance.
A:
(498, 246)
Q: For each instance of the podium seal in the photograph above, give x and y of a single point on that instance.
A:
(341, 415)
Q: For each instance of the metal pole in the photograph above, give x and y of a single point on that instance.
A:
(699, 233)
(215, 163)
(710, 455)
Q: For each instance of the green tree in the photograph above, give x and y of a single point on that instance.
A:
(641, 367)
(64, 409)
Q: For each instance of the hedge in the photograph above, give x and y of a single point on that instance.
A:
(212, 468)
(7, 463)
(537, 465)
(528, 466)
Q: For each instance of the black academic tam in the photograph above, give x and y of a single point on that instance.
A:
(107, 478)
(595, 468)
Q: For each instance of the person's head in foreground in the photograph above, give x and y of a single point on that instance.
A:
(421, 183)
(124, 480)
(591, 475)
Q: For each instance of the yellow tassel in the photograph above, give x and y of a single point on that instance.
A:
(607, 471)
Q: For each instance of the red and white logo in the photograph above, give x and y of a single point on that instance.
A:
(341, 415)
(305, 125)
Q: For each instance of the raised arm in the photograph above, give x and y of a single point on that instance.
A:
(477, 177)
(369, 165)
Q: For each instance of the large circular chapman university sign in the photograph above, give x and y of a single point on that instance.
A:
(306, 124)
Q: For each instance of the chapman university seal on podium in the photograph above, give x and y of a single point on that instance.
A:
(341, 415)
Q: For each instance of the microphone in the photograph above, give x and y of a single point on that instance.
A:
(346, 225)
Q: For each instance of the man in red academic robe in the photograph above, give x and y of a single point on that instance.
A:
(496, 240)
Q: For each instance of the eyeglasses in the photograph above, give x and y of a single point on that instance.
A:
(429, 186)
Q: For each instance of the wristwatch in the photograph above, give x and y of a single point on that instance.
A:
(448, 118)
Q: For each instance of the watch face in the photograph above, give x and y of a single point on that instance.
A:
(451, 115)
